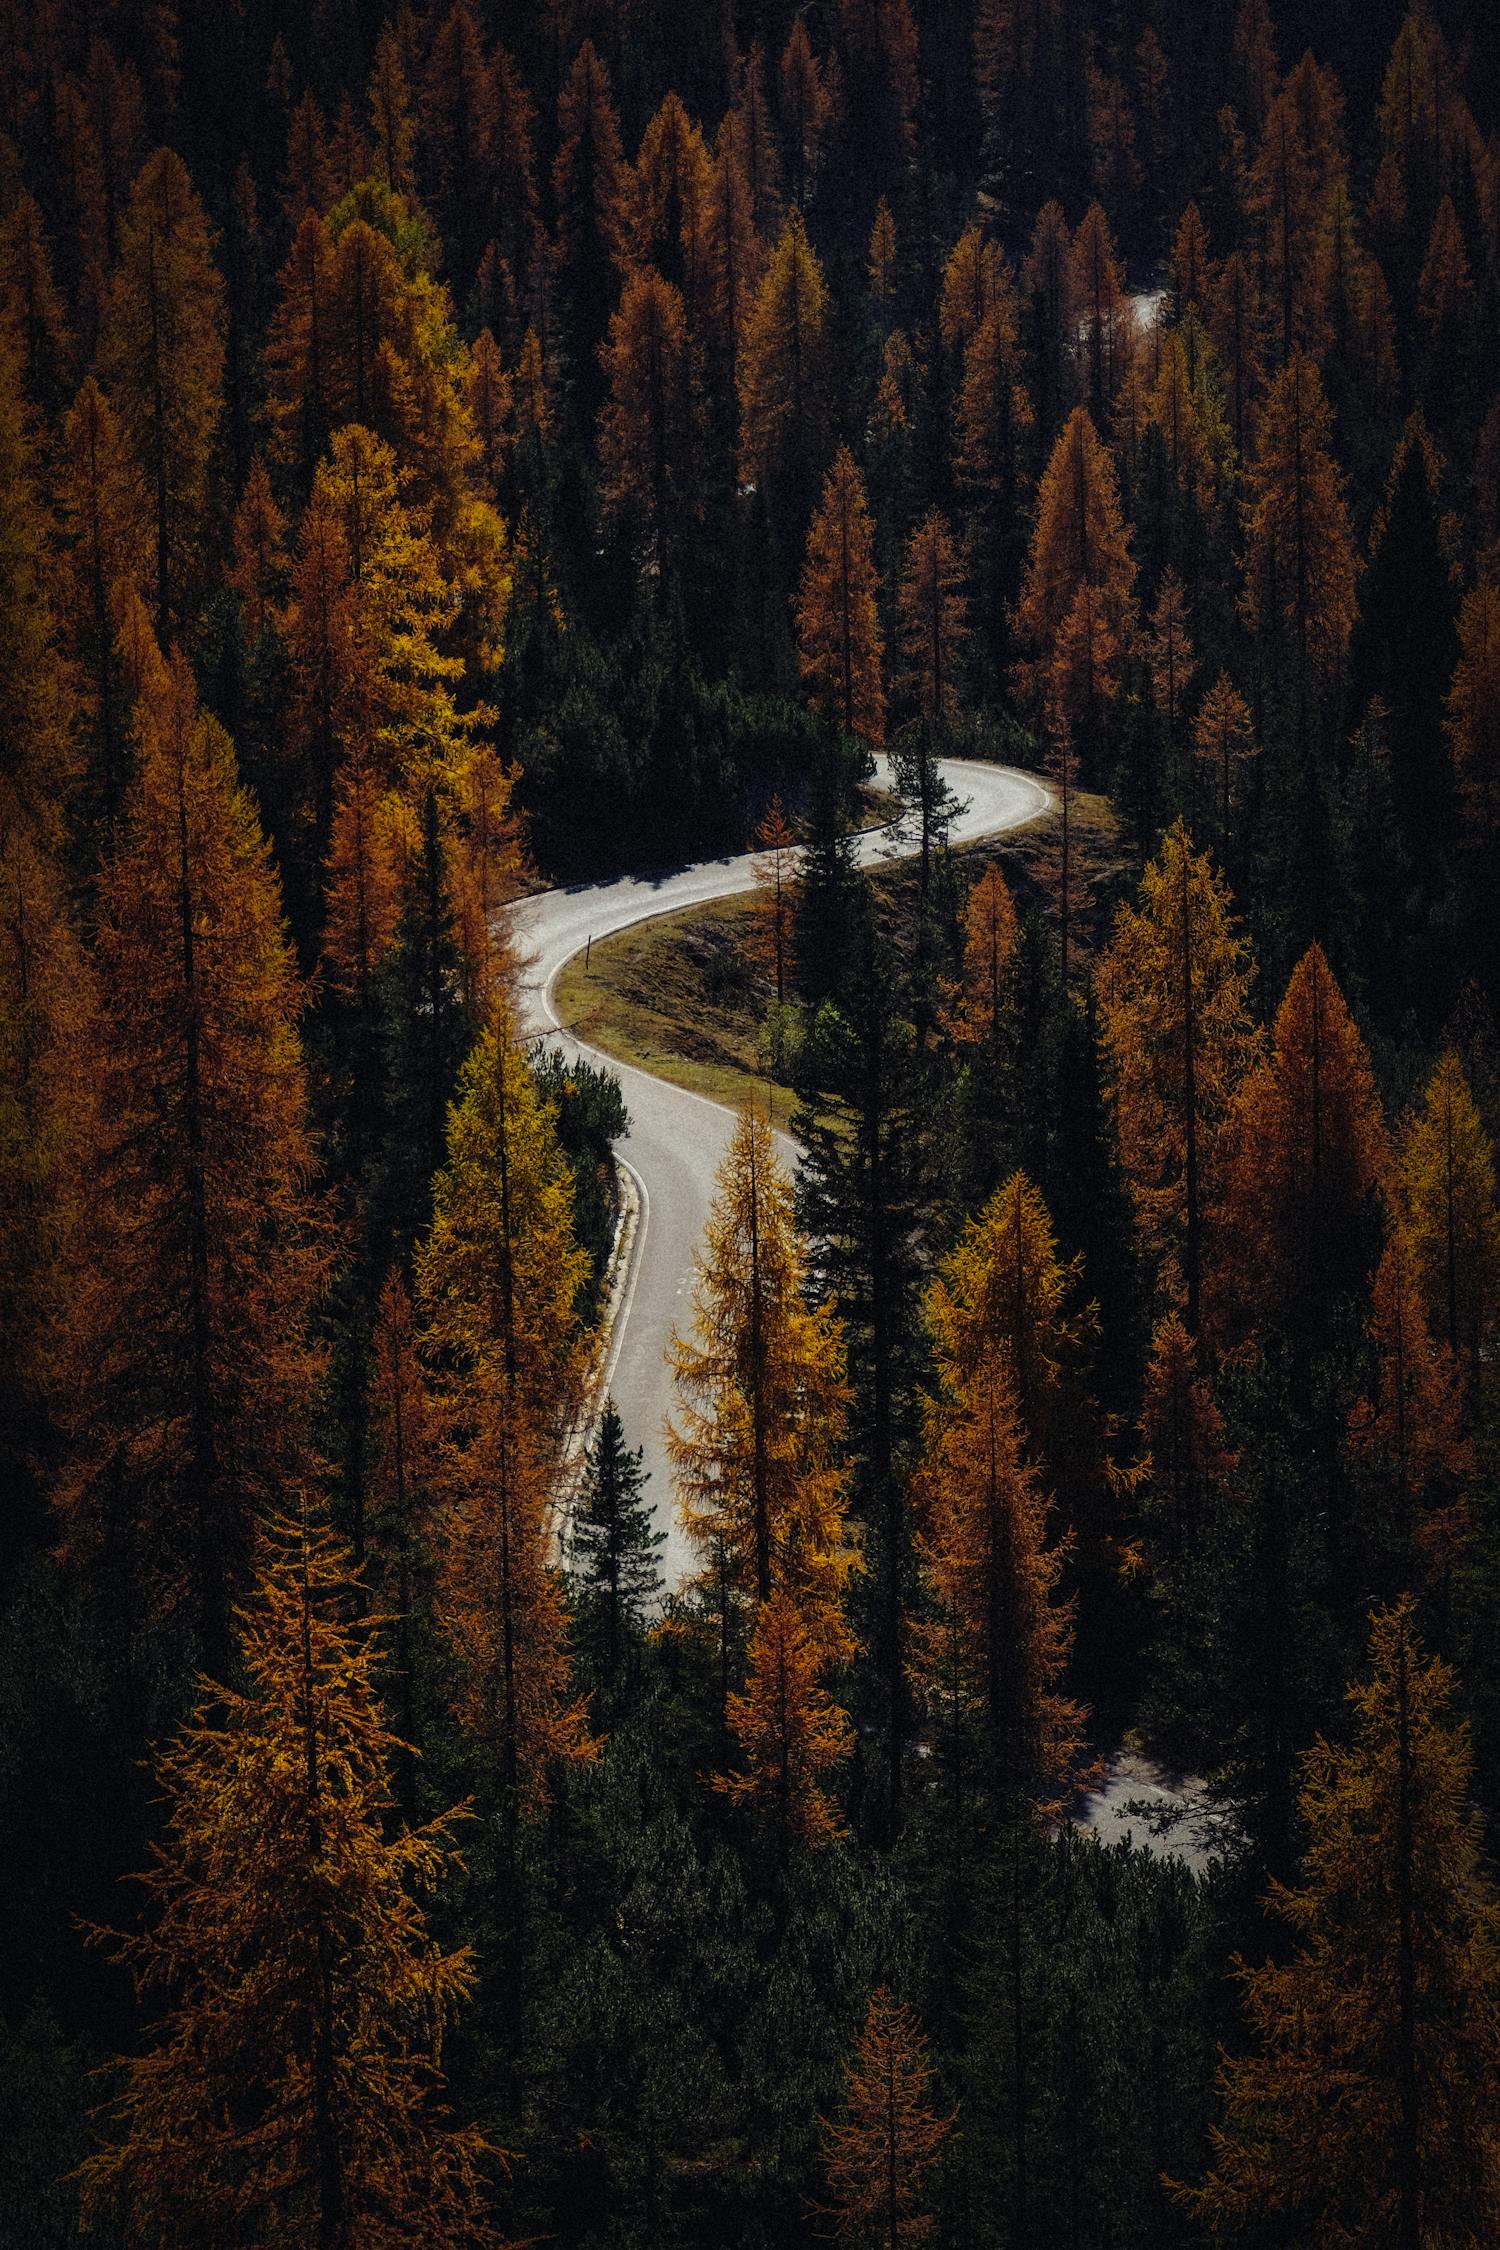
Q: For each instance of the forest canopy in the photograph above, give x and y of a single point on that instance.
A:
(450, 454)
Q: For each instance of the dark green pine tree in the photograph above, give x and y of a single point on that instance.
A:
(1090, 1202)
(833, 897)
(1405, 647)
(613, 1547)
(862, 1199)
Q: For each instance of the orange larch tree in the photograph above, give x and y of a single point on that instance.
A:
(1308, 1160)
(103, 509)
(1405, 1430)
(646, 435)
(840, 644)
(1299, 549)
(37, 755)
(757, 1443)
(994, 1655)
(878, 2153)
(667, 210)
(931, 625)
(1080, 540)
(973, 1003)
(993, 420)
(49, 1144)
(1174, 1009)
(199, 1317)
(804, 106)
(1106, 329)
(790, 1733)
(974, 278)
(1224, 745)
(775, 868)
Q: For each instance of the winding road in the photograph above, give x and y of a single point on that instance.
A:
(677, 1139)
(673, 1152)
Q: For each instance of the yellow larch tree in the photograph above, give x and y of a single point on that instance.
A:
(880, 2150)
(1448, 1181)
(757, 1439)
(1004, 1289)
(1364, 2112)
(1173, 991)
(993, 1655)
(294, 2089)
(840, 644)
(497, 1282)
(783, 366)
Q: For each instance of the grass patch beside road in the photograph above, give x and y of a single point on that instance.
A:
(676, 996)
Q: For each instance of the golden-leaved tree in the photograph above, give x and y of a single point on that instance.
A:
(878, 2154)
(1364, 2112)
(995, 1656)
(1405, 1432)
(195, 1331)
(1174, 1008)
(1307, 1164)
(497, 1283)
(783, 373)
(1448, 1172)
(992, 1659)
(1080, 540)
(840, 644)
(757, 1443)
(973, 1002)
(790, 1733)
(294, 2090)
(1299, 547)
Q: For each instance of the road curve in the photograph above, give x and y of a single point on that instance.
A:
(677, 1139)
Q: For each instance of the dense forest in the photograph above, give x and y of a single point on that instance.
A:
(447, 450)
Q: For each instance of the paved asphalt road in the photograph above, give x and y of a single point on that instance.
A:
(677, 1139)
